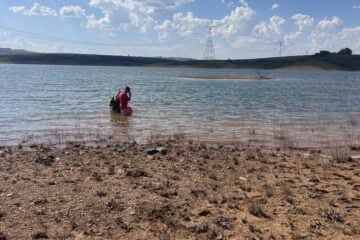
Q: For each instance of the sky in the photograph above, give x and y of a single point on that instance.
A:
(179, 28)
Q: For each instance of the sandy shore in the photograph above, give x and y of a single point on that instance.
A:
(190, 191)
(230, 77)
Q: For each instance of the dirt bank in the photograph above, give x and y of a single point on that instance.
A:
(189, 191)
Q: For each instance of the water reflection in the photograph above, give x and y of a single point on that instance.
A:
(121, 124)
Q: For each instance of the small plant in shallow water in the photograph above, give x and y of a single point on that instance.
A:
(280, 133)
(252, 131)
(2, 143)
(355, 147)
(353, 121)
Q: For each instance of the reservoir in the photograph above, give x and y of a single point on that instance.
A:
(58, 103)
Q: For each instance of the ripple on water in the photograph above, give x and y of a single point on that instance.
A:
(52, 100)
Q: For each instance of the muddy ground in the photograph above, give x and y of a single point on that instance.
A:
(190, 191)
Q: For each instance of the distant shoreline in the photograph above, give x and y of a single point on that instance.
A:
(294, 68)
(330, 62)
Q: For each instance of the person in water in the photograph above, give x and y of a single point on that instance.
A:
(124, 97)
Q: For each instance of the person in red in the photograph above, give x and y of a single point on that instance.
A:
(124, 98)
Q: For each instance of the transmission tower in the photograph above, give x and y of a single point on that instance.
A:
(209, 53)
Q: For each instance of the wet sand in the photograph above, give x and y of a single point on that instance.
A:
(190, 191)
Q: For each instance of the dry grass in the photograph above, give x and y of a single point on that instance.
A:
(269, 190)
(256, 209)
(333, 215)
(340, 154)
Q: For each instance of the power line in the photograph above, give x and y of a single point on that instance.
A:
(71, 41)
(78, 42)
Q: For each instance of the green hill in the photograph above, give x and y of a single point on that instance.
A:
(328, 62)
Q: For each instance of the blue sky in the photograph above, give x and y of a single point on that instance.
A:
(178, 28)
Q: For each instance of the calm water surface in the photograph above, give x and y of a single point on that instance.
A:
(56, 102)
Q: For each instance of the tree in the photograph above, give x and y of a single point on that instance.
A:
(345, 51)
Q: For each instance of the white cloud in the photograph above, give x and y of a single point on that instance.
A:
(236, 21)
(270, 29)
(93, 22)
(329, 24)
(143, 6)
(303, 21)
(164, 29)
(292, 37)
(121, 14)
(228, 3)
(320, 39)
(177, 3)
(18, 9)
(9, 40)
(35, 10)
(349, 37)
(350, 33)
(72, 11)
(242, 41)
(244, 3)
(275, 6)
(241, 33)
(276, 24)
(184, 25)
(142, 22)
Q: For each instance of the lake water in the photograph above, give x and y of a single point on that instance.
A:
(55, 103)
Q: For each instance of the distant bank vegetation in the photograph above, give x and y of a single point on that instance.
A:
(342, 52)
(342, 60)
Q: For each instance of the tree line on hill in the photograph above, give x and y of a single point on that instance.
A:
(344, 51)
